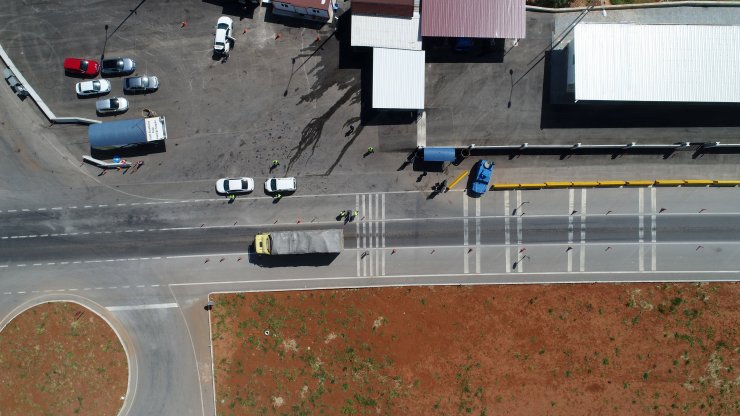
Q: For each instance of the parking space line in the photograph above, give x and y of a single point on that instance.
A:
(653, 227)
(382, 235)
(582, 252)
(507, 232)
(466, 266)
(641, 228)
(519, 232)
(376, 254)
(357, 230)
(571, 205)
(142, 307)
(477, 235)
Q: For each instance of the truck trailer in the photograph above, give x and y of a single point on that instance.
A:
(299, 242)
(123, 133)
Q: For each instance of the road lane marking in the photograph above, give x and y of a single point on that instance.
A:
(382, 215)
(466, 265)
(519, 232)
(361, 209)
(477, 235)
(142, 307)
(582, 252)
(641, 228)
(507, 233)
(376, 234)
(571, 205)
(654, 227)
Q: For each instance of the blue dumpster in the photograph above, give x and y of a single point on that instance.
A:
(439, 154)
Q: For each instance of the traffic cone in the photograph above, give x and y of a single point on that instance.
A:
(277, 36)
(245, 31)
(183, 24)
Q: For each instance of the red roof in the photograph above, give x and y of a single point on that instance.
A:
(400, 8)
(474, 18)
(315, 4)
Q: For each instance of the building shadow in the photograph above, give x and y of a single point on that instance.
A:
(234, 8)
(443, 50)
(128, 151)
(560, 112)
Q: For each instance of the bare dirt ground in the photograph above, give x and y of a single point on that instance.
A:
(61, 359)
(663, 349)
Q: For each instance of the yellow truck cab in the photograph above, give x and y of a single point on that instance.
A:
(262, 243)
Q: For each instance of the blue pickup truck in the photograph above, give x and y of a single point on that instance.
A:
(481, 176)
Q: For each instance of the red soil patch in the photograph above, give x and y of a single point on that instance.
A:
(61, 359)
(485, 350)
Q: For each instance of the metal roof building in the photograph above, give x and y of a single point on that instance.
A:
(398, 8)
(386, 32)
(474, 18)
(657, 63)
(398, 79)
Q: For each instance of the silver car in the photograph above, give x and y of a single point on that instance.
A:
(117, 66)
(142, 83)
(111, 105)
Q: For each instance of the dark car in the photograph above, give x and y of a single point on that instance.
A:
(142, 83)
(118, 66)
(84, 67)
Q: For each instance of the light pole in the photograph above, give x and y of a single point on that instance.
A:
(102, 55)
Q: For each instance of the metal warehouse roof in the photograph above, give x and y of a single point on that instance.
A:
(474, 18)
(386, 32)
(402, 8)
(398, 79)
(679, 63)
(117, 133)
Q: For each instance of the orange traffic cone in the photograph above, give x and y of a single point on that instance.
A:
(183, 24)
(245, 31)
(277, 36)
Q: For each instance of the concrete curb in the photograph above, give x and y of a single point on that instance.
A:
(101, 312)
(37, 98)
(636, 6)
(617, 184)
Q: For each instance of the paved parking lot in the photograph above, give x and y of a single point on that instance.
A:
(285, 95)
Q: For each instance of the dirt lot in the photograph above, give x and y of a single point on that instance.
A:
(61, 359)
(487, 350)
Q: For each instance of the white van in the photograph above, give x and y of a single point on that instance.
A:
(280, 185)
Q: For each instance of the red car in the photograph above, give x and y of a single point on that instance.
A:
(84, 67)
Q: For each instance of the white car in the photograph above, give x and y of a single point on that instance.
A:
(280, 185)
(234, 185)
(222, 42)
(111, 105)
(93, 87)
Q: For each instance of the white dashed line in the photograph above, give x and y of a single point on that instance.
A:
(56, 208)
(41, 209)
(21, 265)
(140, 285)
(12, 210)
(25, 210)
(87, 206)
(102, 206)
(38, 264)
(20, 293)
(154, 285)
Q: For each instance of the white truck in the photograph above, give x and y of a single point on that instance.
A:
(299, 242)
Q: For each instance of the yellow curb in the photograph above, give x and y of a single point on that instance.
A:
(640, 183)
(727, 183)
(559, 184)
(458, 179)
(532, 185)
(612, 183)
(586, 184)
(670, 182)
(504, 186)
(701, 182)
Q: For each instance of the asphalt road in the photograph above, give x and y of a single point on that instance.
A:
(144, 249)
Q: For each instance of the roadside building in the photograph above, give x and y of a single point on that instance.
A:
(398, 79)
(386, 32)
(654, 63)
(474, 19)
(314, 10)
